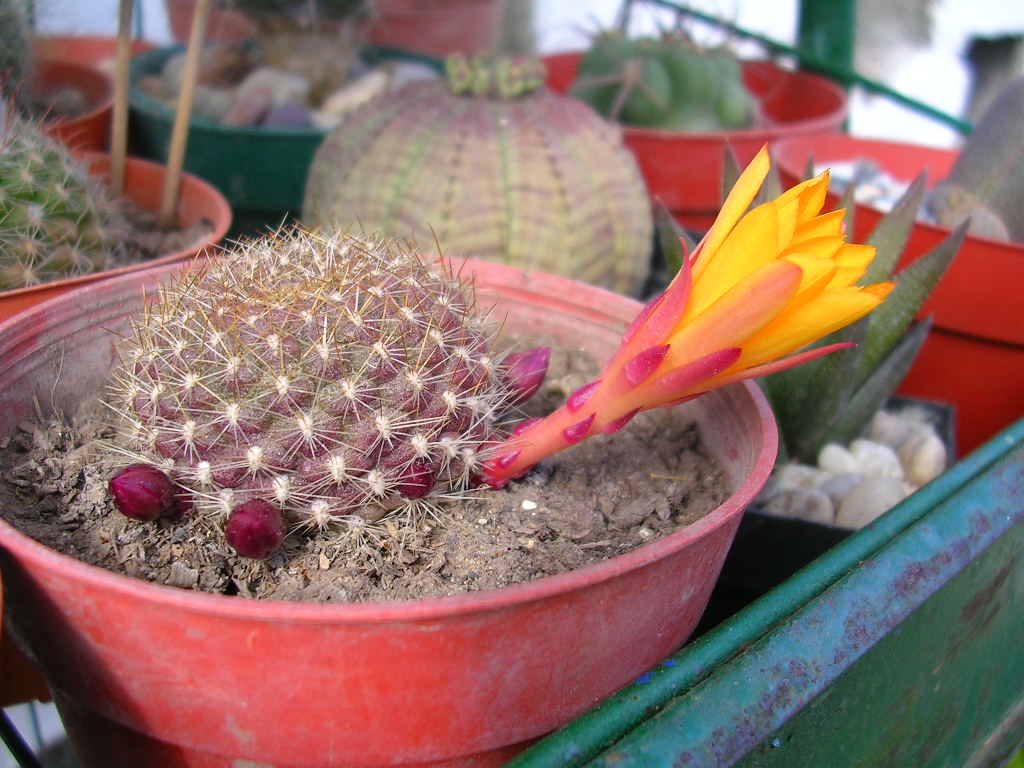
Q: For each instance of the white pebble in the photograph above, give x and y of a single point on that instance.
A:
(923, 456)
(528, 505)
(867, 500)
(889, 429)
(876, 460)
(836, 459)
(837, 486)
(808, 504)
(788, 476)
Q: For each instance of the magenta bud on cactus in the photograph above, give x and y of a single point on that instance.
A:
(143, 492)
(255, 529)
(525, 372)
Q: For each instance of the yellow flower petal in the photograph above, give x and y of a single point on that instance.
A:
(826, 225)
(817, 274)
(738, 314)
(750, 246)
(735, 205)
(800, 325)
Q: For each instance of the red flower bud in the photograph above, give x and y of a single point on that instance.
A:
(255, 529)
(143, 492)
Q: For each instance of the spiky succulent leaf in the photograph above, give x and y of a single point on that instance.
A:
(914, 285)
(892, 232)
(674, 241)
(879, 386)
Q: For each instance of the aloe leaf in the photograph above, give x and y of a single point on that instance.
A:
(730, 171)
(890, 234)
(848, 203)
(879, 386)
(675, 242)
(913, 286)
(808, 399)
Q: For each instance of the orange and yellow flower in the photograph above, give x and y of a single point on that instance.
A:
(760, 286)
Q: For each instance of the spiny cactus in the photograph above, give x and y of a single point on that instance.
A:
(668, 83)
(986, 183)
(311, 382)
(56, 221)
(495, 168)
(14, 44)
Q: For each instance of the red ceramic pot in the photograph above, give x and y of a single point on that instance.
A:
(974, 357)
(89, 130)
(149, 675)
(684, 170)
(144, 180)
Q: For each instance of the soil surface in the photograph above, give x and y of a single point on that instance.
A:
(601, 498)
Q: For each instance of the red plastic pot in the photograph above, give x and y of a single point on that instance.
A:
(435, 27)
(91, 51)
(974, 357)
(89, 130)
(148, 675)
(684, 170)
(144, 180)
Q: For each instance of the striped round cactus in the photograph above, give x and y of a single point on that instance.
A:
(310, 382)
(494, 166)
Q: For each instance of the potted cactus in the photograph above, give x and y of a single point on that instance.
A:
(60, 227)
(493, 166)
(681, 105)
(254, 433)
(971, 358)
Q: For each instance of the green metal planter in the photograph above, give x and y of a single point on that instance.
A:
(898, 647)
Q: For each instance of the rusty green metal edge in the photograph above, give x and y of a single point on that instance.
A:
(583, 739)
(721, 720)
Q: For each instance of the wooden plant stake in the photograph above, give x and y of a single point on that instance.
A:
(183, 113)
(119, 124)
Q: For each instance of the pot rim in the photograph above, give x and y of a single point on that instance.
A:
(484, 601)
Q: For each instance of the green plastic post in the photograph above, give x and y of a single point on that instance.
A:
(826, 32)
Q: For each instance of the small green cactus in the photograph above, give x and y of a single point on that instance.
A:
(493, 167)
(986, 183)
(832, 399)
(14, 44)
(668, 83)
(56, 221)
(312, 382)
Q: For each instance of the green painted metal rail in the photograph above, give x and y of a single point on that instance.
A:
(875, 654)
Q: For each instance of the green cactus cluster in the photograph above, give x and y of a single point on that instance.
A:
(667, 83)
(493, 167)
(330, 379)
(14, 44)
(56, 221)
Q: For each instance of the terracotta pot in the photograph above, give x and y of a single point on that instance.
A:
(197, 201)
(146, 674)
(225, 24)
(975, 354)
(435, 27)
(89, 130)
(91, 51)
(684, 170)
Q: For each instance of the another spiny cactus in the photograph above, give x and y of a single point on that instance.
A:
(310, 382)
(668, 83)
(14, 44)
(55, 220)
(986, 184)
(494, 167)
